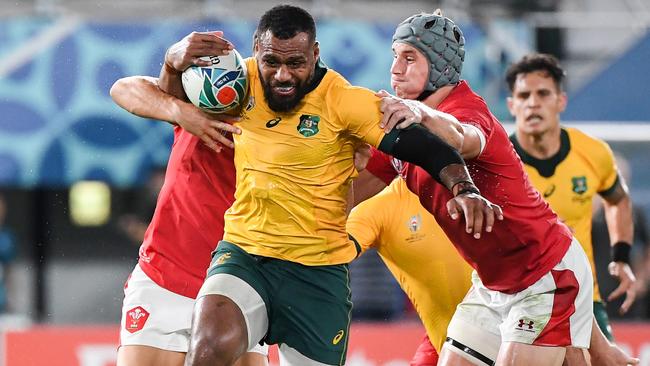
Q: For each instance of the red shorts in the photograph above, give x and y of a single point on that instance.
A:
(425, 355)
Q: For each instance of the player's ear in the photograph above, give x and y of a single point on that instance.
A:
(316, 50)
(509, 103)
(563, 101)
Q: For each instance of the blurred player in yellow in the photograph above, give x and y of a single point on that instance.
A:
(418, 254)
(570, 168)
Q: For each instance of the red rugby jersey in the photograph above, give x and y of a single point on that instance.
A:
(188, 221)
(530, 240)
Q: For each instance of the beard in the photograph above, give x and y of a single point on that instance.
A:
(284, 104)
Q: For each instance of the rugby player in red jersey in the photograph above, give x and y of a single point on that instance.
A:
(531, 294)
(185, 228)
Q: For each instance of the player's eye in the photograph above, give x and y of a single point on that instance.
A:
(295, 64)
(271, 62)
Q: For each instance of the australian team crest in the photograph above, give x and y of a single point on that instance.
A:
(308, 125)
(579, 184)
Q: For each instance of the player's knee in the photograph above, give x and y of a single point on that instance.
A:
(213, 351)
(219, 333)
(203, 352)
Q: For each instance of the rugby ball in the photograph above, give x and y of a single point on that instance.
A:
(220, 87)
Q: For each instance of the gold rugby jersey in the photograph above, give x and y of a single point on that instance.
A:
(568, 181)
(416, 251)
(294, 170)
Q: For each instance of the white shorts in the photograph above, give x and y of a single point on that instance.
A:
(555, 311)
(154, 316)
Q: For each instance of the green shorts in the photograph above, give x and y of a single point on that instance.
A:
(600, 313)
(308, 307)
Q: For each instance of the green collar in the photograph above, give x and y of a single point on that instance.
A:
(545, 167)
(319, 73)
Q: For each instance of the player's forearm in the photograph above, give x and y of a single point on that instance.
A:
(419, 146)
(460, 136)
(620, 222)
(170, 82)
(599, 345)
(140, 95)
(604, 353)
(444, 126)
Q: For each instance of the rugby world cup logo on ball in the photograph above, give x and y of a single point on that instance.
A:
(221, 87)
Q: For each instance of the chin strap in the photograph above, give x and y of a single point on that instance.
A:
(424, 95)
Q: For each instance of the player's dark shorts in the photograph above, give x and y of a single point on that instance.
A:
(600, 313)
(308, 307)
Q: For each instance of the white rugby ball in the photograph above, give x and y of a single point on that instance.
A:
(220, 87)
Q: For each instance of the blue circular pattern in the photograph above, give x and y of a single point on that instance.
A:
(19, 118)
(107, 73)
(9, 169)
(64, 71)
(98, 173)
(122, 32)
(155, 61)
(145, 167)
(106, 132)
(23, 72)
(53, 165)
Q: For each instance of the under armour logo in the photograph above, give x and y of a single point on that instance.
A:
(522, 322)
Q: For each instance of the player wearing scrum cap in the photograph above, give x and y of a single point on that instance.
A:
(531, 293)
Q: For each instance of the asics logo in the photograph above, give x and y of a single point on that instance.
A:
(549, 191)
(338, 337)
(273, 122)
(224, 257)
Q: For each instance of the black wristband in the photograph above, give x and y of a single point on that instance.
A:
(621, 252)
(468, 190)
(464, 186)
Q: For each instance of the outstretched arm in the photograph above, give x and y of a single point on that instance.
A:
(141, 96)
(418, 146)
(604, 353)
(618, 214)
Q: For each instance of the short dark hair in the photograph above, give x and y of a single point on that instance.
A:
(285, 21)
(536, 62)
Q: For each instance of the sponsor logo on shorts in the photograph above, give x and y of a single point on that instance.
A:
(338, 337)
(135, 319)
(223, 258)
(525, 325)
